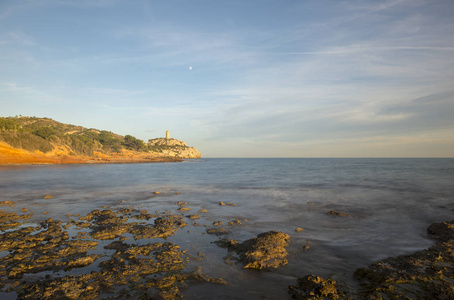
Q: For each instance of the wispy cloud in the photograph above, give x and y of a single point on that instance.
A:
(370, 73)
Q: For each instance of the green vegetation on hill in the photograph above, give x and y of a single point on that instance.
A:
(31, 133)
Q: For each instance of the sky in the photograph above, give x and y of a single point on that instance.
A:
(257, 78)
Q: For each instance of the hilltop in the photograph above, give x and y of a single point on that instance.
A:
(43, 140)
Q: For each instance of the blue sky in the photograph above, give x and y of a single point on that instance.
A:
(239, 78)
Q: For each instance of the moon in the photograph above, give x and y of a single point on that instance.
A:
(190, 68)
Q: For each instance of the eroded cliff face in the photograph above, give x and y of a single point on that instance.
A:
(174, 148)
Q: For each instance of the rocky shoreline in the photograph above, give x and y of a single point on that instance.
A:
(123, 252)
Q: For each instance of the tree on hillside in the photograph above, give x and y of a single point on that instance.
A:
(109, 141)
(134, 143)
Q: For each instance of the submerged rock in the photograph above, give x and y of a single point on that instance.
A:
(442, 231)
(336, 213)
(218, 231)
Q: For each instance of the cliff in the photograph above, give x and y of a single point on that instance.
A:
(43, 140)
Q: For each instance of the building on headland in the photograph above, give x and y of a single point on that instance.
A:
(173, 147)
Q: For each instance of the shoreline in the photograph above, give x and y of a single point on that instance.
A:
(88, 162)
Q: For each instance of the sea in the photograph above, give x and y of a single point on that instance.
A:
(390, 203)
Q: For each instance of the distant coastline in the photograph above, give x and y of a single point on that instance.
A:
(30, 140)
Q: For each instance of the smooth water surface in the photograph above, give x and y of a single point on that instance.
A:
(391, 203)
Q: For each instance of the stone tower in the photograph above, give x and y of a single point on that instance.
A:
(167, 135)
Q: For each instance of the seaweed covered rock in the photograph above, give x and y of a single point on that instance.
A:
(315, 287)
(267, 251)
(35, 258)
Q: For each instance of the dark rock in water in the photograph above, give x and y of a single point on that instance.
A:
(267, 251)
(442, 232)
(218, 231)
(315, 287)
(335, 213)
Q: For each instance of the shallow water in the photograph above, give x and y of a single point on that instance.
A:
(391, 201)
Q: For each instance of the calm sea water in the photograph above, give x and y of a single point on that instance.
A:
(392, 202)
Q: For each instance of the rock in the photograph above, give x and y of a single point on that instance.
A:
(37, 254)
(193, 217)
(315, 287)
(442, 231)
(226, 204)
(299, 229)
(234, 222)
(335, 213)
(265, 252)
(426, 274)
(217, 223)
(6, 203)
(203, 210)
(48, 197)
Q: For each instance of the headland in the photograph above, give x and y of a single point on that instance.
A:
(31, 140)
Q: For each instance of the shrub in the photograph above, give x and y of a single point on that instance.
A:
(133, 143)
(45, 132)
(8, 124)
(26, 141)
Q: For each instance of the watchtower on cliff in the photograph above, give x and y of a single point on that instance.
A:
(167, 135)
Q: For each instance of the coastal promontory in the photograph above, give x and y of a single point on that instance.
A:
(32, 140)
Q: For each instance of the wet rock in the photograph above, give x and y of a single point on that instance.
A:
(193, 217)
(7, 203)
(218, 223)
(299, 229)
(9, 220)
(203, 210)
(339, 214)
(48, 197)
(151, 271)
(234, 222)
(442, 231)
(315, 287)
(226, 204)
(267, 251)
